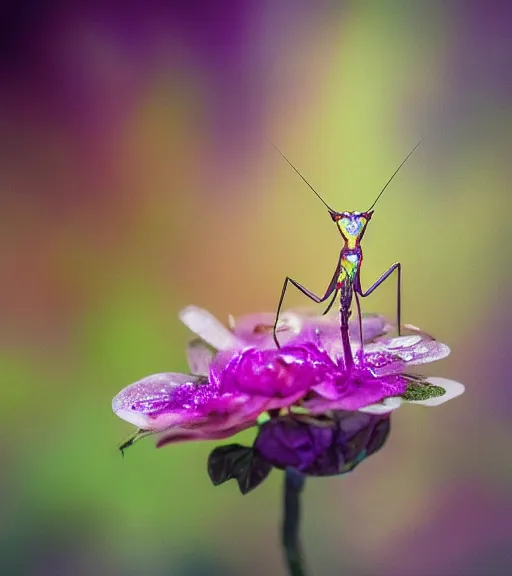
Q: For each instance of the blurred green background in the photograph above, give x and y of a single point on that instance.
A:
(135, 180)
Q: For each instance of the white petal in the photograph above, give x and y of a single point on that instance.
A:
(290, 321)
(413, 350)
(205, 325)
(387, 405)
(451, 387)
(427, 352)
(403, 341)
(199, 357)
(136, 418)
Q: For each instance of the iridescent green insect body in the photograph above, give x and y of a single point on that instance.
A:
(352, 226)
(346, 280)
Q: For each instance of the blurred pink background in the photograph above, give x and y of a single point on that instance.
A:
(135, 179)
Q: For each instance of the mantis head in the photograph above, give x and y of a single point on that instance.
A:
(351, 225)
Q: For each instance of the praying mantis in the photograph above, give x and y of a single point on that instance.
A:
(346, 279)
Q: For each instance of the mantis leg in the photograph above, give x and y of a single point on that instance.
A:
(360, 319)
(330, 289)
(137, 435)
(330, 303)
(398, 267)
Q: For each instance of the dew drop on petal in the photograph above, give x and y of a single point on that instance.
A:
(403, 342)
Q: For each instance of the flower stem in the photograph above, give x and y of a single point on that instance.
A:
(293, 486)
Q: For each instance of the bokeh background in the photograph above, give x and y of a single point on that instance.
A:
(135, 179)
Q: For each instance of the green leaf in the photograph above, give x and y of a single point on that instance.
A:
(240, 462)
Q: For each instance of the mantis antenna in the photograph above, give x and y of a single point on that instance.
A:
(394, 174)
(296, 170)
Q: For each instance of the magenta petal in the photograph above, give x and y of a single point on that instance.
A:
(283, 373)
(394, 385)
(161, 400)
(284, 402)
(178, 401)
(178, 434)
(331, 386)
(381, 363)
(227, 415)
(355, 392)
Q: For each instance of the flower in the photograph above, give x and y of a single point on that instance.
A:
(208, 403)
(238, 375)
(309, 369)
(185, 407)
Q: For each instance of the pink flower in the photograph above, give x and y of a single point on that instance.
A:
(237, 374)
(195, 406)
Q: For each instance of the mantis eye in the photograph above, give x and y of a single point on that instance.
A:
(335, 216)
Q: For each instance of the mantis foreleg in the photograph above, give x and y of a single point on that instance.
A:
(306, 292)
(398, 267)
